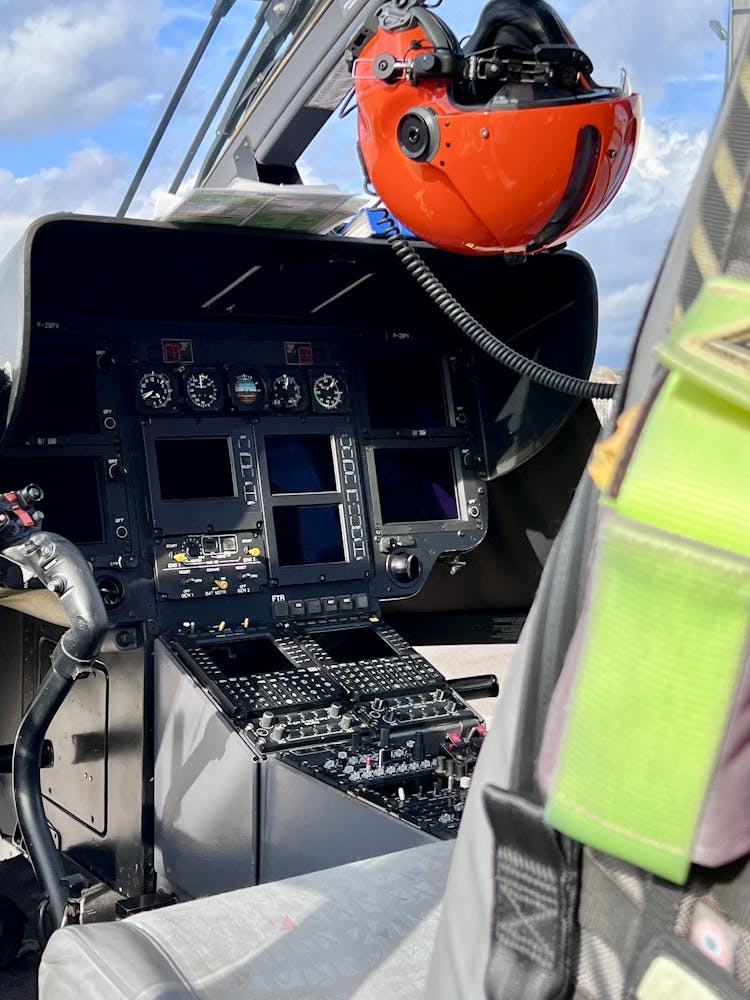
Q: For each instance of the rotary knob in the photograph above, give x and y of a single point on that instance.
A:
(404, 567)
(117, 472)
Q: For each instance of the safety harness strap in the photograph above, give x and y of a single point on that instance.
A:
(650, 680)
(536, 898)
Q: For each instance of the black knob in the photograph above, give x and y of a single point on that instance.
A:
(427, 64)
(31, 494)
(384, 68)
(404, 567)
(117, 472)
(112, 591)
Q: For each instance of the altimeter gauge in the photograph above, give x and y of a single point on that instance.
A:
(288, 392)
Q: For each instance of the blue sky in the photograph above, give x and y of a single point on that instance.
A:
(84, 82)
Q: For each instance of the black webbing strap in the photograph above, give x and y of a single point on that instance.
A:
(536, 899)
(657, 917)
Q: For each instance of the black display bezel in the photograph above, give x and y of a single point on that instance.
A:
(203, 514)
(348, 568)
(419, 448)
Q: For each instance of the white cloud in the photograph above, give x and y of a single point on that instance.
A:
(621, 302)
(661, 175)
(74, 63)
(91, 182)
(654, 41)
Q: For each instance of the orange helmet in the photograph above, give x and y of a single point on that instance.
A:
(504, 146)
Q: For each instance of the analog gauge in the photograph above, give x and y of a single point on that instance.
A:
(329, 392)
(203, 389)
(156, 390)
(248, 388)
(287, 392)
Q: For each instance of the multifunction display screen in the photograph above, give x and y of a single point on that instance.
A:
(416, 486)
(309, 535)
(300, 464)
(404, 392)
(71, 504)
(51, 374)
(345, 645)
(300, 468)
(194, 468)
(253, 656)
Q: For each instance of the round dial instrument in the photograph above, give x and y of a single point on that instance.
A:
(287, 392)
(203, 389)
(156, 390)
(329, 392)
(247, 388)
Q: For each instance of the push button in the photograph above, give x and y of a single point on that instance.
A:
(329, 604)
(280, 609)
(346, 603)
(297, 608)
(313, 606)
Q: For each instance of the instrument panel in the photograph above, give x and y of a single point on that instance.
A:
(252, 474)
(241, 389)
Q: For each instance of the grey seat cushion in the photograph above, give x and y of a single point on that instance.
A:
(361, 931)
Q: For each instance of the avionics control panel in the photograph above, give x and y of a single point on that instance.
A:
(353, 706)
(245, 474)
(280, 469)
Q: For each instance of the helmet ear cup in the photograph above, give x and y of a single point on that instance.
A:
(418, 135)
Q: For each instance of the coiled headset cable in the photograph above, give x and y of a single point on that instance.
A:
(475, 331)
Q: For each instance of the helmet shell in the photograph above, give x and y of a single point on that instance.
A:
(492, 179)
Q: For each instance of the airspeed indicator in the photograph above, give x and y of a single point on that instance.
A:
(203, 389)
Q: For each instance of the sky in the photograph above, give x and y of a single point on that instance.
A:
(85, 81)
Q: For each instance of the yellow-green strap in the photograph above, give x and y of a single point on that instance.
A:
(664, 638)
